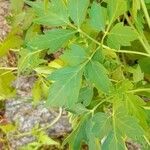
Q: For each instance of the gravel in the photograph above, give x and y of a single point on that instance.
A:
(27, 117)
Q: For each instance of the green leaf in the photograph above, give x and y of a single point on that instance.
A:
(113, 142)
(97, 74)
(8, 128)
(55, 13)
(75, 56)
(101, 124)
(139, 22)
(98, 17)
(52, 40)
(97, 128)
(99, 56)
(116, 8)
(16, 6)
(45, 139)
(36, 92)
(135, 7)
(32, 32)
(27, 22)
(78, 136)
(81, 109)
(138, 75)
(134, 105)
(29, 60)
(93, 142)
(6, 80)
(77, 10)
(65, 89)
(129, 125)
(121, 36)
(10, 43)
(144, 64)
(86, 95)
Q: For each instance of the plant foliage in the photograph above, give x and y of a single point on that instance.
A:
(101, 74)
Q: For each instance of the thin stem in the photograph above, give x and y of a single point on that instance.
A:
(89, 37)
(141, 36)
(8, 68)
(106, 47)
(106, 32)
(95, 107)
(145, 12)
(126, 51)
(139, 90)
(44, 128)
(146, 139)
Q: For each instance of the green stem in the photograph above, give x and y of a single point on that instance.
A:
(141, 36)
(41, 129)
(126, 51)
(106, 32)
(106, 47)
(95, 107)
(8, 68)
(146, 139)
(89, 37)
(145, 12)
(139, 90)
